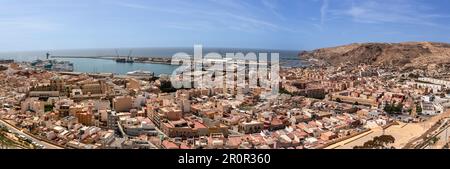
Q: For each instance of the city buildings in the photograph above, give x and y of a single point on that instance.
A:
(316, 107)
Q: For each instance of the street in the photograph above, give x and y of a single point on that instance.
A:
(403, 133)
(443, 139)
(16, 130)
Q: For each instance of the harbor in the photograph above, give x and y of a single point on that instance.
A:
(128, 59)
(139, 67)
(110, 75)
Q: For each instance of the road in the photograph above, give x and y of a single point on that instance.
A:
(443, 136)
(16, 130)
(403, 133)
(442, 141)
(433, 121)
(359, 141)
(350, 143)
(10, 147)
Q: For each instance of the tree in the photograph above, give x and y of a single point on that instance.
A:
(419, 109)
(384, 140)
(393, 109)
(389, 109)
(380, 142)
(48, 108)
(284, 91)
(4, 142)
(166, 87)
(434, 140)
(370, 143)
(399, 108)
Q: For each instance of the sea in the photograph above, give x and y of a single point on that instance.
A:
(288, 58)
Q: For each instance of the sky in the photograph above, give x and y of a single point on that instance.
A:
(265, 24)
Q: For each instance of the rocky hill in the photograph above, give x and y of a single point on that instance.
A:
(409, 54)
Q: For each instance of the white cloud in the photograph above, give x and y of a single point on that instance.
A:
(132, 5)
(218, 13)
(273, 8)
(234, 4)
(392, 11)
(28, 24)
(137, 6)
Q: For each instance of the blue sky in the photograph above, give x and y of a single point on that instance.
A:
(275, 24)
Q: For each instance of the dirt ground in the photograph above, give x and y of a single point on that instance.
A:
(403, 133)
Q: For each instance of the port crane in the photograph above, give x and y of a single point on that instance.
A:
(128, 59)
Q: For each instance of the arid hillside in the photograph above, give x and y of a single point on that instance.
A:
(409, 54)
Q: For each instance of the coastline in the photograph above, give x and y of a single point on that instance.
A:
(148, 60)
(285, 63)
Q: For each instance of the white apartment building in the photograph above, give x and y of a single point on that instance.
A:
(436, 81)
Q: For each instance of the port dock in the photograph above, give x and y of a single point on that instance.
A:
(149, 60)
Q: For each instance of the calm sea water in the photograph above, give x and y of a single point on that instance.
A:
(287, 58)
(111, 66)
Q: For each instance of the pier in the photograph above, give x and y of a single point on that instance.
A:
(149, 60)
(104, 75)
